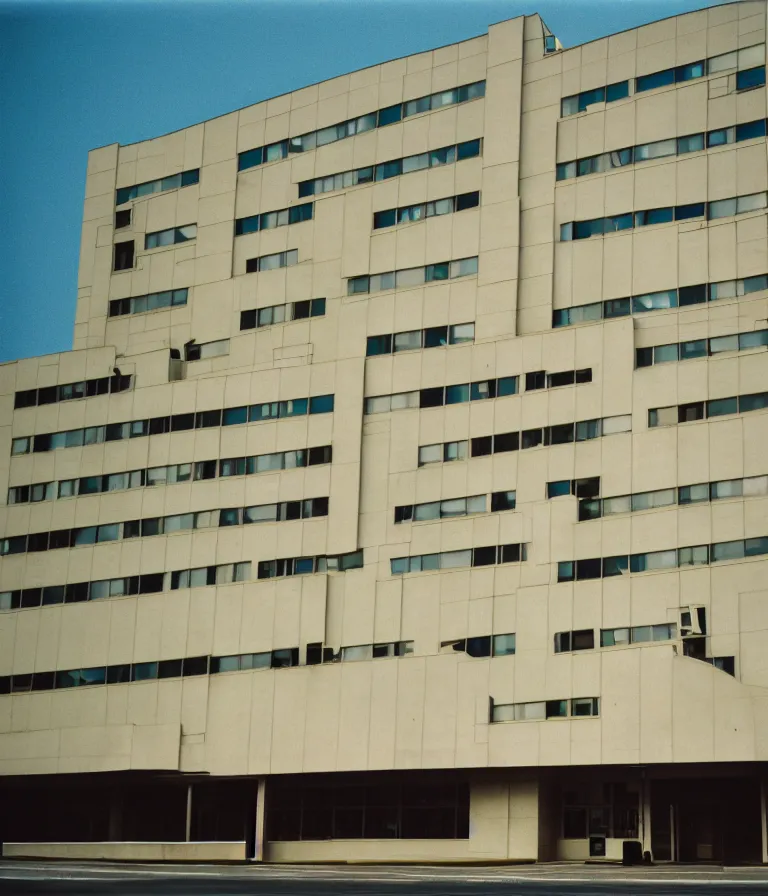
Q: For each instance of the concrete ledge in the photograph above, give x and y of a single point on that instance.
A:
(389, 851)
(233, 851)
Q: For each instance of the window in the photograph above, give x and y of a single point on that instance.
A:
(267, 220)
(429, 454)
(442, 395)
(123, 218)
(70, 391)
(483, 556)
(569, 377)
(558, 488)
(152, 302)
(432, 337)
(172, 182)
(415, 809)
(410, 213)
(278, 314)
(503, 501)
(536, 379)
(571, 105)
(199, 351)
(124, 256)
(585, 706)
(272, 262)
(170, 237)
(656, 150)
(441, 509)
(657, 79)
(549, 709)
(566, 642)
(503, 645)
(412, 276)
(750, 78)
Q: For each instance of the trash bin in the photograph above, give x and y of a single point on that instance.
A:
(632, 852)
(597, 847)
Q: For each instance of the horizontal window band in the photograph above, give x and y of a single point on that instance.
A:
(125, 673)
(663, 300)
(170, 237)
(413, 340)
(410, 277)
(295, 214)
(704, 410)
(748, 59)
(558, 434)
(172, 182)
(125, 586)
(154, 301)
(574, 707)
(659, 149)
(446, 155)
(105, 385)
(255, 318)
(447, 508)
(720, 208)
(301, 566)
(482, 556)
(412, 213)
(438, 396)
(700, 348)
(680, 495)
(673, 558)
(273, 152)
(171, 474)
(305, 508)
(115, 432)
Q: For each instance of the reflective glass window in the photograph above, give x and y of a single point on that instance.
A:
(750, 78)
(652, 81)
(692, 143)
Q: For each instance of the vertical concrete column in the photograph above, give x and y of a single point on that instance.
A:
(645, 811)
(188, 825)
(763, 822)
(258, 849)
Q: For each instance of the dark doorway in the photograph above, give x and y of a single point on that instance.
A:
(224, 810)
(707, 820)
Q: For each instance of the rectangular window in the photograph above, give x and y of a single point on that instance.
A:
(272, 262)
(172, 182)
(124, 256)
(170, 237)
(503, 645)
(750, 78)
(657, 79)
(267, 220)
(199, 351)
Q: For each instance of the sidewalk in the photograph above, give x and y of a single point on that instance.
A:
(19, 869)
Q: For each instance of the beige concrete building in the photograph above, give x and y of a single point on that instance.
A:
(281, 579)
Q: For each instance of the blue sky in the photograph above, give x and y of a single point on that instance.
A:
(77, 75)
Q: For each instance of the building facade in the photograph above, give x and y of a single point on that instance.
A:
(494, 580)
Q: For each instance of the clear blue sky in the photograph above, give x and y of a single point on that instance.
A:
(77, 75)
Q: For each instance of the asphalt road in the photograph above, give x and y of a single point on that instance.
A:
(89, 880)
(230, 888)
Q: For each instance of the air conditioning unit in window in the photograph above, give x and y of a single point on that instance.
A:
(693, 621)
